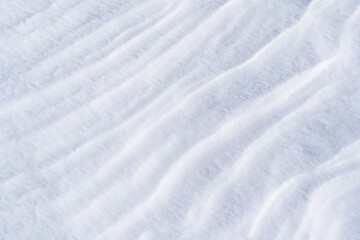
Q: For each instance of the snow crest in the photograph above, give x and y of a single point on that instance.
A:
(183, 119)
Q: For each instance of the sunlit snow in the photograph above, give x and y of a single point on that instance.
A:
(180, 119)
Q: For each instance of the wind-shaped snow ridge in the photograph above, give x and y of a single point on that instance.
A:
(191, 120)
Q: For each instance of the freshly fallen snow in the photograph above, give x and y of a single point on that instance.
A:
(180, 119)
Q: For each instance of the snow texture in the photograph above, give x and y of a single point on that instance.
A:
(180, 119)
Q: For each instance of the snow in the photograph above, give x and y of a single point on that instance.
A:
(191, 120)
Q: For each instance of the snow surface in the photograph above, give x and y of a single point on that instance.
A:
(180, 119)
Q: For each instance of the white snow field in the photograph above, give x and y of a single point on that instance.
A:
(180, 119)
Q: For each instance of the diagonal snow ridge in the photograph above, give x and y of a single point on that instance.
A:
(189, 120)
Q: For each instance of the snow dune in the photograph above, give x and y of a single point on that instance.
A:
(192, 120)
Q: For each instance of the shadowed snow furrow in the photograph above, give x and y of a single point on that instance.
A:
(186, 119)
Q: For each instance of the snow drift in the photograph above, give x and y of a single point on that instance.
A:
(193, 120)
